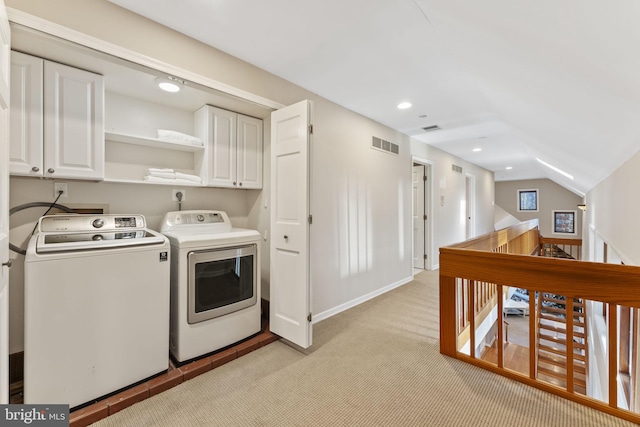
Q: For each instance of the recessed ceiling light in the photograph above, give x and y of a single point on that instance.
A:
(404, 105)
(509, 168)
(475, 150)
(169, 84)
(422, 116)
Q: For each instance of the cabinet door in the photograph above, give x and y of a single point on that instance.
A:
(26, 143)
(73, 123)
(249, 142)
(222, 148)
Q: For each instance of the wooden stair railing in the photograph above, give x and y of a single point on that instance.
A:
(557, 364)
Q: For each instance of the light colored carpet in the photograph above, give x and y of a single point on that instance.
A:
(375, 365)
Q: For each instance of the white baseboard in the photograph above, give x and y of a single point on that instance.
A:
(350, 304)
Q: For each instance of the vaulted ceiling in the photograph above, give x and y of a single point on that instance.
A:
(549, 88)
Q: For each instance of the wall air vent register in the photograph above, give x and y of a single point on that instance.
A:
(386, 146)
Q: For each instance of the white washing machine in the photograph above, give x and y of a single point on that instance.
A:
(215, 282)
(96, 307)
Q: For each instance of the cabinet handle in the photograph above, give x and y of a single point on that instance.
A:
(234, 183)
(286, 237)
(7, 264)
(240, 184)
(51, 170)
(35, 169)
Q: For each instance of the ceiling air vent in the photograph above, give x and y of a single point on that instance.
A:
(456, 168)
(386, 146)
(431, 128)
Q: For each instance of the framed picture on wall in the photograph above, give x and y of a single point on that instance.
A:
(528, 200)
(564, 222)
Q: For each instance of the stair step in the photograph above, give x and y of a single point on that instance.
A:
(559, 330)
(559, 340)
(559, 352)
(546, 316)
(578, 367)
(577, 382)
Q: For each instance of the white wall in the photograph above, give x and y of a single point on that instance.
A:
(361, 206)
(612, 211)
(449, 216)
(361, 198)
(551, 196)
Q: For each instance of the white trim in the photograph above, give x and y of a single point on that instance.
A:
(354, 302)
(48, 27)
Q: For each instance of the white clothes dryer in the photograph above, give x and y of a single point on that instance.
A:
(215, 282)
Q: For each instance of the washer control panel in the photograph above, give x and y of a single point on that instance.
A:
(78, 222)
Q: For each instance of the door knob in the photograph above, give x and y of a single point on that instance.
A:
(7, 264)
(51, 170)
(35, 169)
(286, 237)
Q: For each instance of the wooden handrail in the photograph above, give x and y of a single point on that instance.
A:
(504, 258)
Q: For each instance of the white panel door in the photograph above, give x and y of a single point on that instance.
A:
(290, 297)
(418, 217)
(5, 49)
(249, 140)
(26, 143)
(73, 123)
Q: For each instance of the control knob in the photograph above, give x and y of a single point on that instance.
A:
(98, 223)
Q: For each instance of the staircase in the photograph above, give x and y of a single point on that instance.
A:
(562, 354)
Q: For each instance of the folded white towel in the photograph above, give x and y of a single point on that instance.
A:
(168, 175)
(162, 170)
(171, 135)
(188, 177)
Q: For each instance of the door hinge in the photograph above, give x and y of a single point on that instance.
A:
(309, 317)
(310, 129)
(425, 217)
(310, 219)
(425, 256)
(424, 177)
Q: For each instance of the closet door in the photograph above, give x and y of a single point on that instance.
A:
(290, 287)
(5, 44)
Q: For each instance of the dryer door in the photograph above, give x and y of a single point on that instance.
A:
(221, 282)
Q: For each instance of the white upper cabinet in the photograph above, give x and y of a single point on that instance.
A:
(27, 138)
(249, 161)
(234, 145)
(57, 127)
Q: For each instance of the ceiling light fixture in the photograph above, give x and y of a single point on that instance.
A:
(475, 150)
(404, 105)
(169, 84)
(509, 168)
(553, 168)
